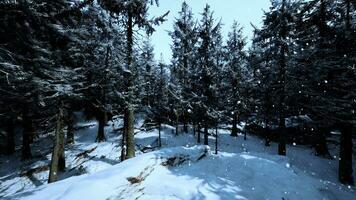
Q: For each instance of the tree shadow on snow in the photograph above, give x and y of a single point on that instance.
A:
(211, 184)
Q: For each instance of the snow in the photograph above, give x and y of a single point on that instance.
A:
(181, 169)
(223, 176)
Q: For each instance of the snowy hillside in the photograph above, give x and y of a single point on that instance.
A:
(189, 173)
(241, 170)
(260, 107)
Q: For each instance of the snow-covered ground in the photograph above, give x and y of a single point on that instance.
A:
(181, 169)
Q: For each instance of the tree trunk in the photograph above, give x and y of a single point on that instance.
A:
(282, 80)
(267, 133)
(194, 129)
(185, 127)
(321, 147)
(123, 140)
(199, 133)
(234, 126)
(347, 130)
(282, 142)
(282, 129)
(30, 131)
(345, 160)
(206, 136)
(130, 137)
(101, 128)
(26, 135)
(267, 137)
(70, 128)
(57, 161)
(10, 136)
(185, 123)
(61, 158)
(177, 123)
(129, 112)
(159, 135)
(216, 140)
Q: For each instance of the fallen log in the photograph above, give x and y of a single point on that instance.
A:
(85, 153)
(36, 170)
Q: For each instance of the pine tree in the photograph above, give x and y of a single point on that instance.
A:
(53, 76)
(134, 13)
(147, 64)
(205, 84)
(234, 75)
(278, 30)
(161, 108)
(184, 46)
(326, 59)
(103, 50)
(260, 63)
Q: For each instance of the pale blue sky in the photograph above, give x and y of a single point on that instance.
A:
(244, 11)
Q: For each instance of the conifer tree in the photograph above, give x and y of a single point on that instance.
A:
(184, 46)
(234, 75)
(134, 13)
(278, 31)
(207, 69)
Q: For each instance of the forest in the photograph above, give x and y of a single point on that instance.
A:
(64, 63)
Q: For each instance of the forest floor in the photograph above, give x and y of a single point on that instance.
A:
(181, 169)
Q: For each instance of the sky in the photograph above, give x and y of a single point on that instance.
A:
(243, 11)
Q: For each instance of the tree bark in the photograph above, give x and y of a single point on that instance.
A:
(130, 137)
(185, 127)
(123, 140)
(321, 147)
(282, 142)
(345, 160)
(58, 160)
(194, 129)
(177, 123)
(26, 135)
(61, 157)
(199, 134)
(159, 135)
(129, 112)
(216, 140)
(282, 80)
(101, 127)
(70, 128)
(185, 123)
(206, 136)
(30, 131)
(282, 125)
(267, 133)
(234, 126)
(267, 142)
(10, 136)
(347, 129)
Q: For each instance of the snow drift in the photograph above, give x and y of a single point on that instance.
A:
(188, 173)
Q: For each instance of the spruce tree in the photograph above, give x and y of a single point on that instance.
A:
(278, 31)
(134, 13)
(207, 70)
(184, 46)
(234, 75)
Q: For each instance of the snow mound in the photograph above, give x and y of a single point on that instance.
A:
(187, 173)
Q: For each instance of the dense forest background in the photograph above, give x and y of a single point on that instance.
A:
(295, 83)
